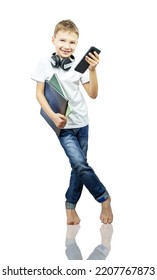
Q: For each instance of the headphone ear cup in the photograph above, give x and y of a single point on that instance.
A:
(55, 60)
(66, 63)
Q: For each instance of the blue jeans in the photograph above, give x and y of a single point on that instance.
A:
(75, 144)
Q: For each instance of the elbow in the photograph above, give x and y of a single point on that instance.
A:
(94, 95)
(37, 97)
(38, 94)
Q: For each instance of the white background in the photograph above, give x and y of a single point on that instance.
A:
(123, 134)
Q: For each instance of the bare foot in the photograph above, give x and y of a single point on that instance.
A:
(106, 215)
(72, 217)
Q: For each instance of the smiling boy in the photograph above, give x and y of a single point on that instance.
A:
(74, 129)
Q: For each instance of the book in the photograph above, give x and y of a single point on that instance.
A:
(57, 85)
(57, 102)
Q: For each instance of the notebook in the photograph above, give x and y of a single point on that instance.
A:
(57, 102)
(57, 85)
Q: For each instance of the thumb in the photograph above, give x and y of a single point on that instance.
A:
(62, 116)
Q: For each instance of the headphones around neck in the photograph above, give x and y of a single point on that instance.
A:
(64, 63)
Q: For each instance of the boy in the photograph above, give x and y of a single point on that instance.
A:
(74, 129)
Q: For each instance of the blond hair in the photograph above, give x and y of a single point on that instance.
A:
(66, 25)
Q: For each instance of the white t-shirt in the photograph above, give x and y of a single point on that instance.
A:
(70, 81)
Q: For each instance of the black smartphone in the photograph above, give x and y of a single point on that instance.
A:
(83, 64)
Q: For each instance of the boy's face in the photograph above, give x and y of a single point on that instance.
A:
(65, 43)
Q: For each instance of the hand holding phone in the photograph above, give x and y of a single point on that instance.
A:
(83, 64)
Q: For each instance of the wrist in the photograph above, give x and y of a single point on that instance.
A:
(53, 115)
(93, 69)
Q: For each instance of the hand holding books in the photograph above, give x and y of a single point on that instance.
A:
(56, 97)
(60, 120)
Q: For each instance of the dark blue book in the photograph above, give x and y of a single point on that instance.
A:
(57, 102)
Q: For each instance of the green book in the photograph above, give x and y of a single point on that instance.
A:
(54, 81)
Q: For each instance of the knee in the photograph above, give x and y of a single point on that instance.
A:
(81, 167)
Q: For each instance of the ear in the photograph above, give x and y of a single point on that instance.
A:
(53, 40)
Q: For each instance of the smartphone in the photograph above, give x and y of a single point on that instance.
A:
(83, 64)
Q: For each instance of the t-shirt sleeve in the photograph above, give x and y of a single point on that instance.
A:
(39, 74)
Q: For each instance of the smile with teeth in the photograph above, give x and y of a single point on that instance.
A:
(66, 52)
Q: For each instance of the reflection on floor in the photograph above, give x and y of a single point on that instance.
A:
(100, 252)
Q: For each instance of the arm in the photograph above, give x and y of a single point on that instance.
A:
(92, 86)
(59, 119)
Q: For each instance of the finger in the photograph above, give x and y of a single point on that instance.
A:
(92, 59)
(62, 116)
(62, 125)
(94, 55)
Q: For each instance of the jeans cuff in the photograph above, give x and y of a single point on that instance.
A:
(69, 205)
(103, 197)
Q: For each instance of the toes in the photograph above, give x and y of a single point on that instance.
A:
(104, 220)
(70, 223)
(110, 220)
(73, 222)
